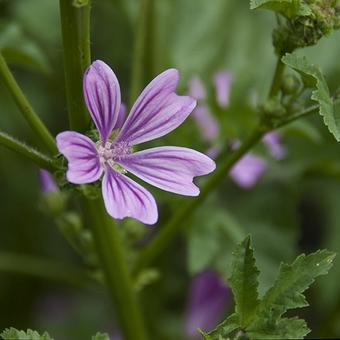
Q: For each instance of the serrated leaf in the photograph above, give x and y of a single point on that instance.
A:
(292, 281)
(223, 330)
(286, 328)
(244, 281)
(100, 336)
(313, 75)
(15, 334)
(287, 8)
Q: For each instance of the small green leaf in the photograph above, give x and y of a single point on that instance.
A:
(288, 8)
(313, 76)
(292, 281)
(15, 334)
(286, 328)
(100, 336)
(244, 281)
(231, 324)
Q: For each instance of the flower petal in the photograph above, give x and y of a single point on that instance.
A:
(208, 299)
(47, 182)
(124, 197)
(81, 153)
(222, 83)
(248, 170)
(206, 122)
(102, 97)
(196, 88)
(170, 168)
(121, 117)
(273, 142)
(157, 111)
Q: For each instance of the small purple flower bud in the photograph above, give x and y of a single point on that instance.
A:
(222, 83)
(208, 298)
(47, 182)
(273, 142)
(207, 123)
(196, 88)
(248, 170)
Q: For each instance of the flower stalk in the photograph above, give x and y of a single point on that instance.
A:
(75, 23)
(76, 40)
(142, 61)
(25, 107)
(28, 152)
(112, 258)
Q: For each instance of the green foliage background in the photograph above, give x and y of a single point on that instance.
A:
(294, 208)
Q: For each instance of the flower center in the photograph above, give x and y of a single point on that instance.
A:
(112, 152)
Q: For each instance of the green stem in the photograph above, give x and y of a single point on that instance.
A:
(140, 63)
(170, 229)
(276, 83)
(76, 40)
(38, 158)
(75, 31)
(25, 107)
(46, 269)
(111, 255)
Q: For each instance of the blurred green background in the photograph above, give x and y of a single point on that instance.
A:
(294, 208)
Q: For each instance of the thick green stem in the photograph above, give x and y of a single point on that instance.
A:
(42, 268)
(76, 41)
(277, 79)
(75, 26)
(111, 254)
(142, 56)
(173, 226)
(25, 107)
(35, 156)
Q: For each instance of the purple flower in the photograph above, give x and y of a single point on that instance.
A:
(273, 142)
(248, 170)
(196, 88)
(208, 298)
(206, 122)
(222, 82)
(157, 111)
(47, 182)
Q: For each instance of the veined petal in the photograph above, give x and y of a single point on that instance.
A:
(102, 97)
(80, 151)
(170, 168)
(157, 111)
(121, 117)
(124, 197)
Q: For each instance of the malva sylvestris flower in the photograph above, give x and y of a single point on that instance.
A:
(208, 299)
(156, 112)
(250, 168)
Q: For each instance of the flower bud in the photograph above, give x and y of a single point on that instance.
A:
(290, 84)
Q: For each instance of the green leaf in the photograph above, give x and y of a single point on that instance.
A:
(288, 8)
(100, 336)
(292, 281)
(286, 328)
(14, 334)
(231, 324)
(20, 50)
(213, 235)
(313, 76)
(244, 281)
